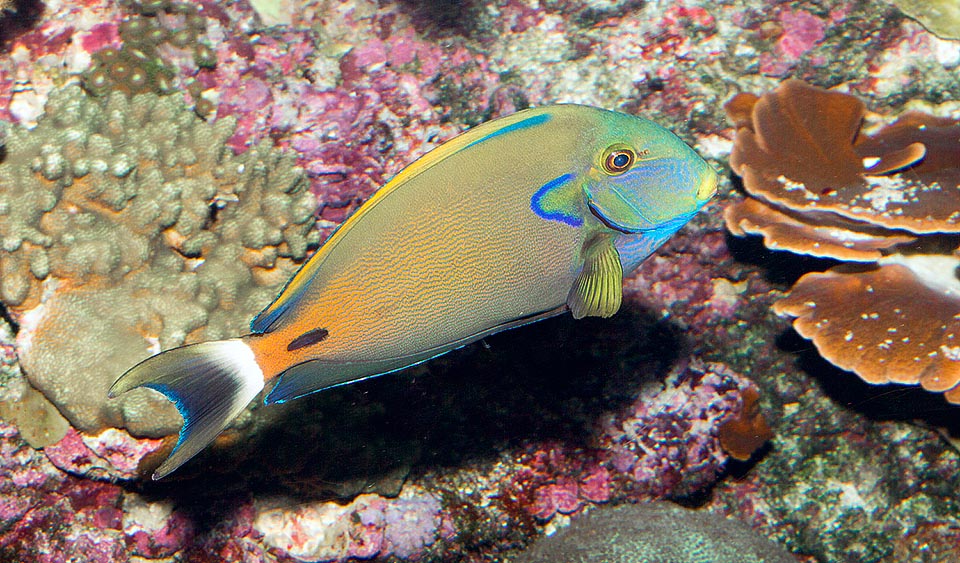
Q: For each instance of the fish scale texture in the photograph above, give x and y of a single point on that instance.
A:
(655, 533)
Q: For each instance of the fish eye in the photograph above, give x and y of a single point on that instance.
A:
(618, 160)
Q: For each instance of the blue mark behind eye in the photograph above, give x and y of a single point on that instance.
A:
(522, 124)
(552, 212)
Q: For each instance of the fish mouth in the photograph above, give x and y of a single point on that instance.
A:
(672, 224)
(707, 188)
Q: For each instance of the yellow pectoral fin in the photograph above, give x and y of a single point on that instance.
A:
(598, 290)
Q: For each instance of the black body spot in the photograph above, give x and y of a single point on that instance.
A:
(309, 338)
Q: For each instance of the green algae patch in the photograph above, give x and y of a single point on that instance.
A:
(940, 17)
(128, 227)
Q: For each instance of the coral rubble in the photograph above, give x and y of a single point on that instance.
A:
(665, 444)
(889, 200)
(135, 216)
(369, 526)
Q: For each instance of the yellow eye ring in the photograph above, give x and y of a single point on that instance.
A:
(618, 160)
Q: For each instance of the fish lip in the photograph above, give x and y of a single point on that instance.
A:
(678, 221)
(707, 189)
(609, 224)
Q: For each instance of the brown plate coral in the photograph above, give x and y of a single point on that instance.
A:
(128, 226)
(890, 202)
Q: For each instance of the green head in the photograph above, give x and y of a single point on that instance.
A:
(643, 179)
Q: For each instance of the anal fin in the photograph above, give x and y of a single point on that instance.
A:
(317, 375)
(598, 290)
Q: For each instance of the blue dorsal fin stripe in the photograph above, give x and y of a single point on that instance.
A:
(265, 319)
(522, 124)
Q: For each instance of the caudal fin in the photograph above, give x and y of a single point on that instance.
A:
(210, 383)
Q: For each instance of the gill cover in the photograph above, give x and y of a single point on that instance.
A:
(645, 197)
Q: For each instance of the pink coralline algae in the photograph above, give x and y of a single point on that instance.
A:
(112, 454)
(562, 497)
(377, 95)
(665, 444)
(25, 476)
(154, 529)
(43, 56)
(682, 280)
(678, 17)
(369, 526)
(801, 32)
(49, 516)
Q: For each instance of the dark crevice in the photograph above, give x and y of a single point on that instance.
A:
(23, 16)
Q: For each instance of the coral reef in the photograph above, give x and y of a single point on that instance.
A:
(135, 214)
(664, 444)
(514, 438)
(655, 533)
(845, 490)
(111, 455)
(890, 200)
(48, 515)
(662, 420)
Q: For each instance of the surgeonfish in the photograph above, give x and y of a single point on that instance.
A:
(516, 220)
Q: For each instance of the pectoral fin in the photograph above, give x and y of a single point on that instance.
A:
(598, 290)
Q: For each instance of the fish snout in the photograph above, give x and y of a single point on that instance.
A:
(708, 186)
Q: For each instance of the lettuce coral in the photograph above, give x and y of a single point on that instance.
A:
(887, 203)
(129, 227)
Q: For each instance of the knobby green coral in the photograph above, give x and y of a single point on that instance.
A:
(128, 226)
(656, 532)
(154, 37)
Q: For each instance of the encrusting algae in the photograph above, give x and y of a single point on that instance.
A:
(887, 203)
(128, 227)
